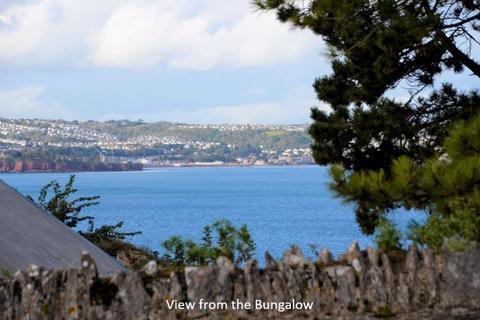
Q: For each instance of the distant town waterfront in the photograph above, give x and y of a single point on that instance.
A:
(281, 205)
(32, 145)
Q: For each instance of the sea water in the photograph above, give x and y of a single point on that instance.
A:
(280, 205)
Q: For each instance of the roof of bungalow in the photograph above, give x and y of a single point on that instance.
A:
(29, 235)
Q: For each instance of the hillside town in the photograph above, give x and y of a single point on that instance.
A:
(151, 145)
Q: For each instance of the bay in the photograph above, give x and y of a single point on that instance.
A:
(280, 205)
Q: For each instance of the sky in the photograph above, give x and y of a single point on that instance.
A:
(194, 61)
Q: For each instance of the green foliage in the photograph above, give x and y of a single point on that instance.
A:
(375, 44)
(455, 230)
(6, 274)
(65, 210)
(447, 187)
(371, 138)
(373, 47)
(219, 239)
(387, 236)
(131, 256)
(176, 250)
(384, 312)
(106, 232)
(70, 212)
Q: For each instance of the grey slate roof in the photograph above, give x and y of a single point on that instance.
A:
(28, 235)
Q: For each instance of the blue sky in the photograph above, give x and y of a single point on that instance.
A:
(196, 61)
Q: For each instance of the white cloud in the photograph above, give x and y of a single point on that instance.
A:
(193, 34)
(22, 29)
(142, 33)
(26, 102)
(49, 32)
(274, 112)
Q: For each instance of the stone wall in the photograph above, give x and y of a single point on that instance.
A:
(416, 284)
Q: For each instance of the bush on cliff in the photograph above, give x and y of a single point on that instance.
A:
(56, 200)
(59, 205)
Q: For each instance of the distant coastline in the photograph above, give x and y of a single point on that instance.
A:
(32, 166)
(26, 166)
(59, 146)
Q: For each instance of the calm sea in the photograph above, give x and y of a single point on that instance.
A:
(281, 205)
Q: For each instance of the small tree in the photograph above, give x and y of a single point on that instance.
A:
(59, 205)
(175, 247)
(70, 211)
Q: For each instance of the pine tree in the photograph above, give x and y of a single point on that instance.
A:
(446, 186)
(375, 46)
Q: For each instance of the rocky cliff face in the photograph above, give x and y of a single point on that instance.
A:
(53, 166)
(416, 284)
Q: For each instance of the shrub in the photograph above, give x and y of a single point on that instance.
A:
(387, 236)
(57, 201)
(455, 230)
(59, 205)
(106, 232)
(219, 239)
(70, 211)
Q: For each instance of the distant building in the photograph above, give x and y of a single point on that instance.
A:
(29, 235)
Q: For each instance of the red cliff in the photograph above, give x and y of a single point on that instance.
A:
(52, 166)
